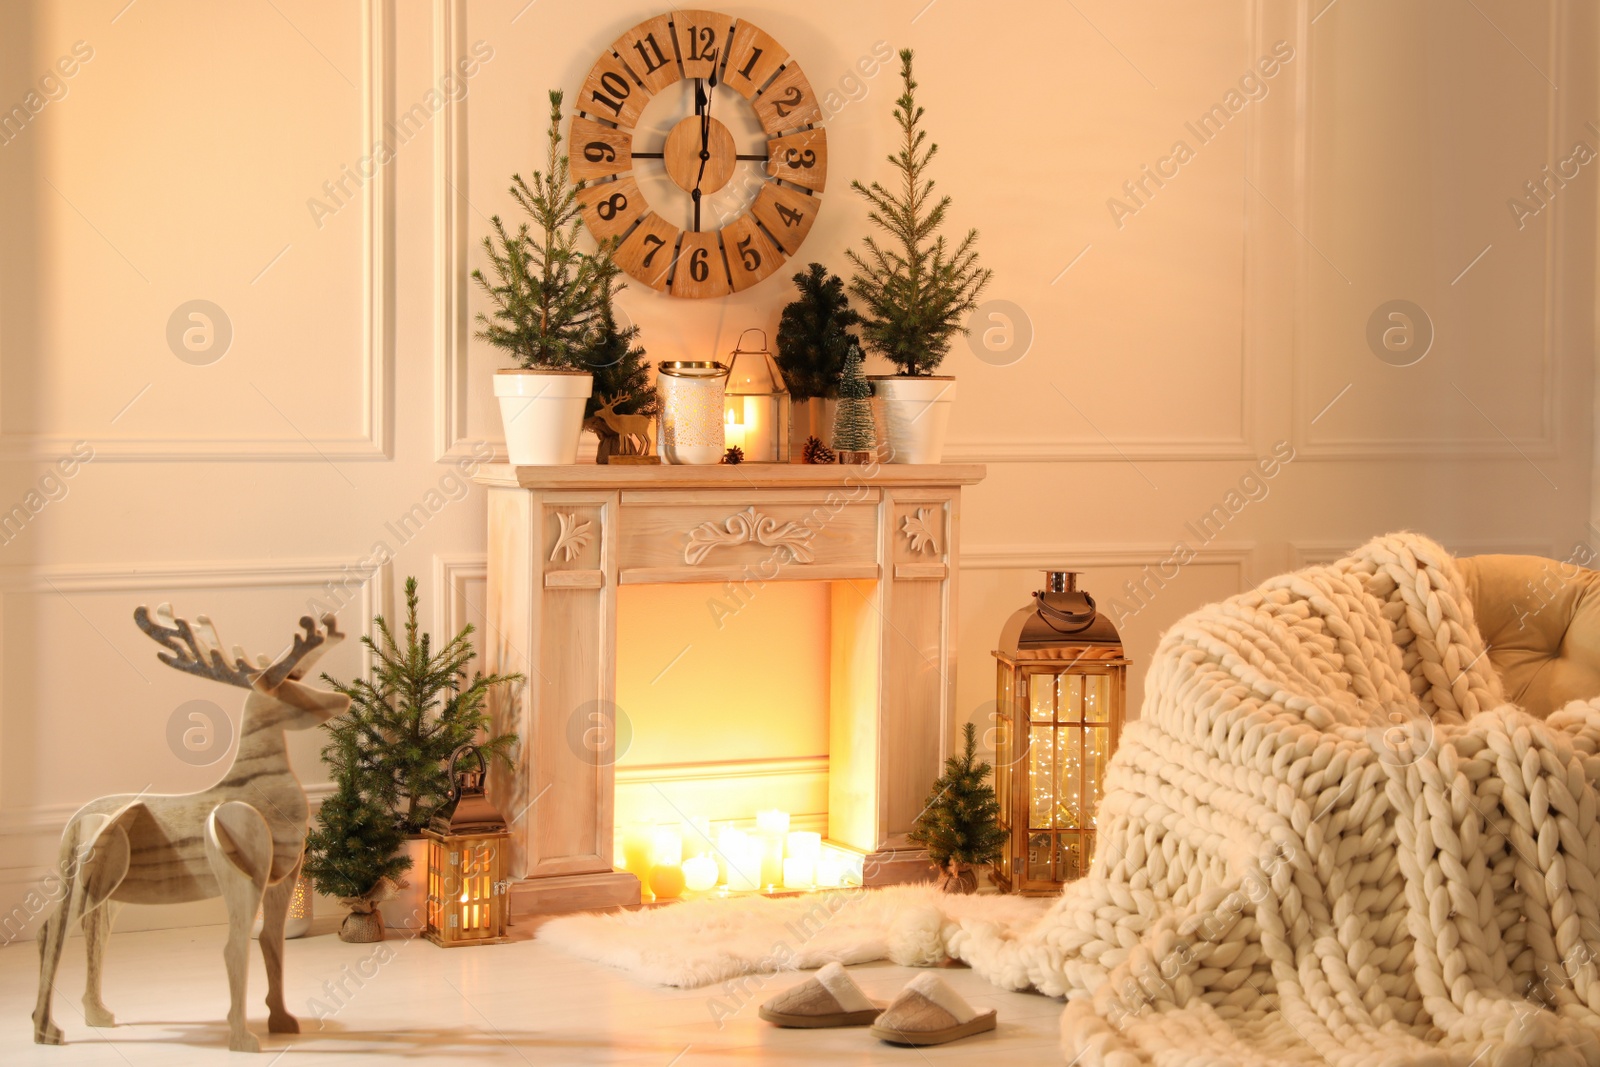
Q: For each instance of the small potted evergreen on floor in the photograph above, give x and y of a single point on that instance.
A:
(813, 338)
(404, 723)
(355, 849)
(915, 290)
(547, 298)
(960, 824)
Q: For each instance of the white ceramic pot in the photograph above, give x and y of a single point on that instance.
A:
(916, 416)
(408, 909)
(542, 411)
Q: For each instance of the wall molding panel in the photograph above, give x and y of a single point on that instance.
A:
(374, 598)
(376, 438)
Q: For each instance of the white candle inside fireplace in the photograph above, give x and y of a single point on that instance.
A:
(772, 821)
(667, 846)
(830, 872)
(742, 855)
(804, 845)
(799, 873)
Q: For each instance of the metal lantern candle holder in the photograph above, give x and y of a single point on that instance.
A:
(468, 845)
(757, 405)
(1062, 684)
(691, 410)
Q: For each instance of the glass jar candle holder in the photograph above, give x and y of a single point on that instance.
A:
(692, 410)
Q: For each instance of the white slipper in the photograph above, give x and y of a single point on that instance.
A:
(928, 1012)
(828, 998)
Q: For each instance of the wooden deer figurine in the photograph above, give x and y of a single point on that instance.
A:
(241, 839)
(635, 433)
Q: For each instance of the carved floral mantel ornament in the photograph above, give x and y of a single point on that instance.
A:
(745, 527)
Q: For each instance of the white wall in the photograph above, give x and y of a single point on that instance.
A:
(1172, 345)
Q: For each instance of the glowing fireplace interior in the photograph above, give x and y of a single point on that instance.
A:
(724, 694)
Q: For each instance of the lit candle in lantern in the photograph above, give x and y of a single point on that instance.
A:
(733, 428)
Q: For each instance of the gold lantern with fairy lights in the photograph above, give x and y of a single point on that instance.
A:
(468, 846)
(1062, 681)
(756, 404)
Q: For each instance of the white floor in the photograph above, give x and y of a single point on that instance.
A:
(404, 1000)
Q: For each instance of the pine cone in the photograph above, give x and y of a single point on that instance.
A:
(814, 451)
(733, 456)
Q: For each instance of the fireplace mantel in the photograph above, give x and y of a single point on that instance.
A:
(563, 539)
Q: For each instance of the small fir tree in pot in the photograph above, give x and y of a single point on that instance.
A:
(547, 297)
(390, 753)
(960, 824)
(419, 706)
(813, 339)
(353, 851)
(916, 289)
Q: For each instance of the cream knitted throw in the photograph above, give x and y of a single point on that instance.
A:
(1329, 839)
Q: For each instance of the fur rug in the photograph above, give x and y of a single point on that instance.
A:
(703, 942)
(1328, 839)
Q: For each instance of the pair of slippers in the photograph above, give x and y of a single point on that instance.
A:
(927, 1011)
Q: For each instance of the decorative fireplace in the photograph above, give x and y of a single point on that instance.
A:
(880, 540)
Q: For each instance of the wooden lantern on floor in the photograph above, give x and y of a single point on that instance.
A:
(1062, 681)
(468, 849)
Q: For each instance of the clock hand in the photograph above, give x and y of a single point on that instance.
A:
(702, 94)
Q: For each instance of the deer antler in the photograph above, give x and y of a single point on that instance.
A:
(200, 654)
(307, 649)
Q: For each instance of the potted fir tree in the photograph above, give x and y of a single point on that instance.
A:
(813, 338)
(355, 850)
(404, 723)
(960, 824)
(916, 290)
(546, 297)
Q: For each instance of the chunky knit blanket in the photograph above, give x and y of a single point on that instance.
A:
(1329, 838)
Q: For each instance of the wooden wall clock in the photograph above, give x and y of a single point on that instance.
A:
(713, 56)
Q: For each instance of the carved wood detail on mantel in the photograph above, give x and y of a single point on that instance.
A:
(744, 527)
(574, 537)
(917, 529)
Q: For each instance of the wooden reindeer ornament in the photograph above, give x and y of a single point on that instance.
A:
(634, 434)
(241, 839)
